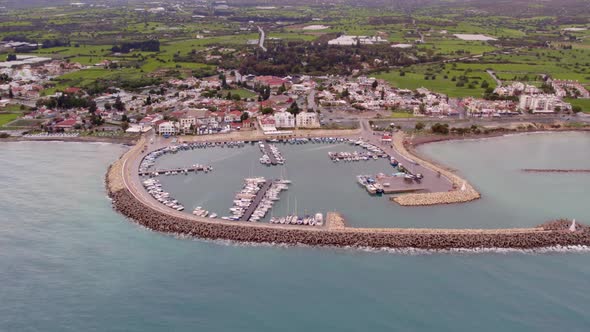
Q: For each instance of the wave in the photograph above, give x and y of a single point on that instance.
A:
(401, 251)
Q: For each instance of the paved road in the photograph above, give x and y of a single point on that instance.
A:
(261, 40)
(493, 75)
(311, 104)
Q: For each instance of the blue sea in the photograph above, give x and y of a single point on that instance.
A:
(68, 262)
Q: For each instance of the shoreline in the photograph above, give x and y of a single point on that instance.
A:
(84, 139)
(146, 213)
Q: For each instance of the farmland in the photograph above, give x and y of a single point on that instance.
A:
(195, 41)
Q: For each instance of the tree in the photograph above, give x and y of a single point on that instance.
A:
(10, 93)
(108, 106)
(125, 125)
(485, 84)
(294, 108)
(438, 128)
(282, 89)
(419, 125)
(577, 109)
(267, 110)
(244, 116)
(119, 105)
(375, 84)
(92, 107)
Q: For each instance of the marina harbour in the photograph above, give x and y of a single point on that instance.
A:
(320, 185)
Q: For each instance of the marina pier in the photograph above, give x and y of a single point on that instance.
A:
(259, 197)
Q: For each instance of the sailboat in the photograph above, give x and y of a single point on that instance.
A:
(573, 226)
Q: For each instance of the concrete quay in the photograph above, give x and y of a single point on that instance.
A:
(461, 191)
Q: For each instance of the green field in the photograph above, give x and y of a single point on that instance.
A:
(440, 84)
(243, 93)
(583, 103)
(7, 118)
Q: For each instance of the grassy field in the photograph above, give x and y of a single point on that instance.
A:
(243, 93)
(401, 115)
(440, 84)
(583, 103)
(7, 118)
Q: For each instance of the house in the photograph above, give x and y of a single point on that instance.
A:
(284, 120)
(267, 123)
(66, 125)
(192, 118)
(233, 116)
(307, 120)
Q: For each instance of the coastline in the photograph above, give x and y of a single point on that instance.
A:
(84, 139)
(142, 211)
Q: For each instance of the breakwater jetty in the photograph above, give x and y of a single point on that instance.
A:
(546, 235)
(462, 190)
(553, 170)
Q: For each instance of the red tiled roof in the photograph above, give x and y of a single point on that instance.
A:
(72, 90)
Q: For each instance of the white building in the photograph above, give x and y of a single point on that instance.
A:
(542, 103)
(284, 120)
(167, 128)
(307, 120)
(267, 123)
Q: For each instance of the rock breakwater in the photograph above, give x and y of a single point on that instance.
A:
(552, 170)
(463, 191)
(547, 235)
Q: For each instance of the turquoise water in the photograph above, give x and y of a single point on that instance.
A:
(511, 198)
(68, 262)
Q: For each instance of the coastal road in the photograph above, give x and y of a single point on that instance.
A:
(261, 39)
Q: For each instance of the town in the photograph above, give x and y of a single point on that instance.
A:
(246, 82)
(230, 101)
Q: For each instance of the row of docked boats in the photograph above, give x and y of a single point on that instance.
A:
(154, 188)
(268, 200)
(270, 154)
(371, 185)
(370, 147)
(200, 212)
(352, 156)
(251, 205)
(175, 171)
(317, 220)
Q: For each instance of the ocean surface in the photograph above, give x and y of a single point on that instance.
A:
(68, 262)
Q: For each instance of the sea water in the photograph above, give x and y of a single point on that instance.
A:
(68, 262)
